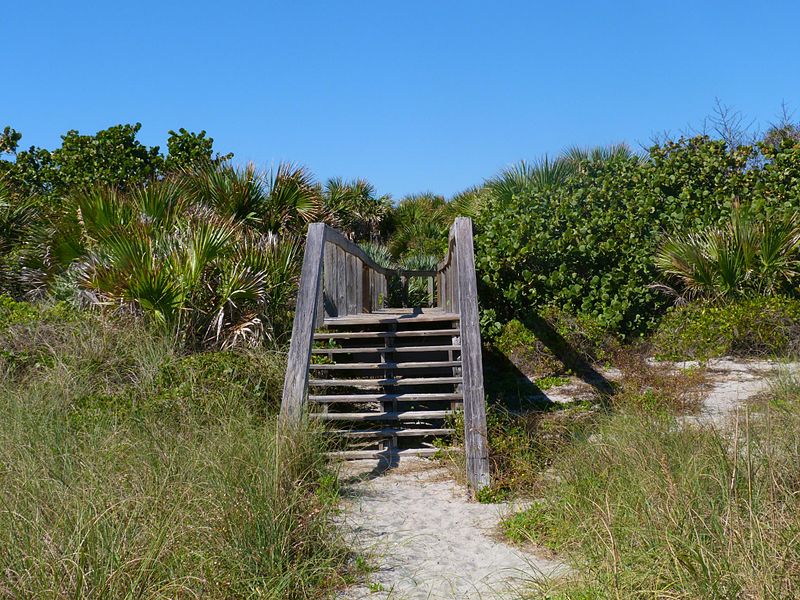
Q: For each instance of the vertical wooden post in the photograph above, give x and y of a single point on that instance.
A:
(353, 284)
(295, 384)
(475, 434)
(329, 281)
(340, 264)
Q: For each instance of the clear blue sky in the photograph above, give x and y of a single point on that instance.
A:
(413, 95)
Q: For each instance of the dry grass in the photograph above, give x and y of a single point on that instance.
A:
(118, 483)
(649, 509)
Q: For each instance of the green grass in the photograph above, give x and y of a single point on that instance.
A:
(128, 471)
(645, 508)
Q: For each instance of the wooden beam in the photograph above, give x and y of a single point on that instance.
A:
(475, 434)
(295, 385)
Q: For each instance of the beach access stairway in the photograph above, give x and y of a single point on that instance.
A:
(388, 382)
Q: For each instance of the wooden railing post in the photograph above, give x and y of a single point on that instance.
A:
(295, 383)
(466, 296)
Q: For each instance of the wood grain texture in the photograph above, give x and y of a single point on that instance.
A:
(295, 384)
(475, 434)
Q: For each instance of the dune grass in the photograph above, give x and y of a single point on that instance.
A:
(646, 508)
(127, 471)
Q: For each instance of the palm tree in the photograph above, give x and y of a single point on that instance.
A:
(420, 223)
(355, 208)
(743, 257)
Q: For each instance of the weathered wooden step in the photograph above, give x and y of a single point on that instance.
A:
(388, 453)
(384, 381)
(408, 397)
(403, 415)
(345, 335)
(390, 319)
(386, 365)
(384, 349)
(389, 432)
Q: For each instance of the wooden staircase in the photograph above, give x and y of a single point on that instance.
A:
(388, 382)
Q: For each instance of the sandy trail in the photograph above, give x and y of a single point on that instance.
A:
(428, 540)
(731, 383)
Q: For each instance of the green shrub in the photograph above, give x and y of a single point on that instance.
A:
(758, 327)
(549, 344)
(587, 245)
(746, 256)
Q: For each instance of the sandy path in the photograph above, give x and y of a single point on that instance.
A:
(427, 539)
(731, 383)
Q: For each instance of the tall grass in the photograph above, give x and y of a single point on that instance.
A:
(127, 472)
(646, 508)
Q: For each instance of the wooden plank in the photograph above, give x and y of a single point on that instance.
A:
(353, 288)
(431, 364)
(475, 433)
(386, 334)
(329, 281)
(407, 415)
(385, 453)
(295, 384)
(400, 349)
(388, 432)
(389, 319)
(406, 397)
(366, 302)
(383, 381)
(340, 266)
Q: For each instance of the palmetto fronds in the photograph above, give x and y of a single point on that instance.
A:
(195, 253)
(354, 207)
(293, 199)
(577, 155)
(743, 257)
(526, 178)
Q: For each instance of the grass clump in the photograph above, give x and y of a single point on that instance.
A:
(131, 471)
(756, 327)
(645, 507)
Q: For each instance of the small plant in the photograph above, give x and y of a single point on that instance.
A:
(745, 257)
(491, 495)
(754, 327)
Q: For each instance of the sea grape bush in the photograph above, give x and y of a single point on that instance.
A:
(588, 246)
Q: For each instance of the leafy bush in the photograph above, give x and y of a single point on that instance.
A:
(757, 327)
(552, 343)
(587, 245)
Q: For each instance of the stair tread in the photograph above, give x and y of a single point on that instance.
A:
(388, 318)
(407, 415)
(387, 365)
(373, 349)
(385, 381)
(388, 432)
(400, 397)
(367, 454)
(385, 334)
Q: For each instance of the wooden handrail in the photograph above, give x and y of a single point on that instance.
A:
(349, 280)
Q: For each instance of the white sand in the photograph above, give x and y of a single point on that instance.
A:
(731, 384)
(427, 539)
